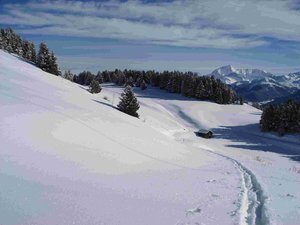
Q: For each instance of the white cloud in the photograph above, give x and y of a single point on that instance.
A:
(203, 23)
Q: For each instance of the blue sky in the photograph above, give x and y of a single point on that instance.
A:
(195, 35)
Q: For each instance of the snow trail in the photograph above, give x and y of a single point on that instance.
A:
(252, 206)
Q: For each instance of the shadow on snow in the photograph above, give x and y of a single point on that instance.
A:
(106, 104)
(251, 138)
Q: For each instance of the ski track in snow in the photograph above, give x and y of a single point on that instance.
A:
(251, 206)
(252, 210)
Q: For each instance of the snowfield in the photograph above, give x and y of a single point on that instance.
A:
(69, 157)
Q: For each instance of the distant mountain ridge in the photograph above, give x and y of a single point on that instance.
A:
(258, 85)
(230, 75)
(295, 97)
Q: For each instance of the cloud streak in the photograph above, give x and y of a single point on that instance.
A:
(178, 23)
(194, 23)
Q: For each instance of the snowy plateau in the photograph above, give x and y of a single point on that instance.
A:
(69, 157)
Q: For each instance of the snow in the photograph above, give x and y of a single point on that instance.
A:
(224, 70)
(231, 75)
(250, 80)
(69, 157)
(291, 80)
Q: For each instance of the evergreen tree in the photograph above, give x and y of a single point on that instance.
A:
(267, 117)
(188, 84)
(43, 57)
(128, 102)
(33, 53)
(95, 87)
(84, 78)
(17, 44)
(143, 85)
(46, 60)
(26, 50)
(29, 51)
(282, 119)
(13, 43)
(8, 40)
(241, 101)
(2, 42)
(53, 67)
(106, 76)
(68, 75)
(99, 78)
(129, 81)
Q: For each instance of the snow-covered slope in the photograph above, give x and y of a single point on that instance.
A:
(69, 157)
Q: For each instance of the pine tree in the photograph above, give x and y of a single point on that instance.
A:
(68, 75)
(33, 53)
(129, 81)
(99, 77)
(84, 78)
(283, 119)
(2, 42)
(143, 85)
(43, 57)
(8, 39)
(128, 102)
(267, 118)
(18, 44)
(28, 51)
(188, 84)
(95, 87)
(53, 67)
(241, 100)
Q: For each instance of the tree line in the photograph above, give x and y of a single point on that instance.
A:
(284, 118)
(185, 83)
(13, 43)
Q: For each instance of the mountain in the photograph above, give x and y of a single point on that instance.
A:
(289, 80)
(258, 85)
(230, 75)
(294, 96)
(261, 90)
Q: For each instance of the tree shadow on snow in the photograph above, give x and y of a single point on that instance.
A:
(156, 92)
(153, 92)
(106, 104)
(251, 138)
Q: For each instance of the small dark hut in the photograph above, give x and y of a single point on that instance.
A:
(205, 133)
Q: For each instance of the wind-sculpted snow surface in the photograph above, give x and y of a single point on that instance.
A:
(69, 157)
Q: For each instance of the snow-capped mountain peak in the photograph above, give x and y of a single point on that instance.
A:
(230, 75)
(262, 86)
(224, 71)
